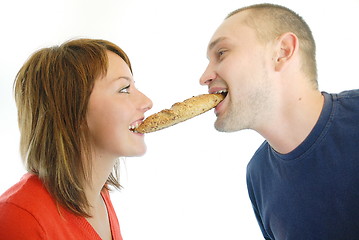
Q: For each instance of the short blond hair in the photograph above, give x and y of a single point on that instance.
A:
(270, 21)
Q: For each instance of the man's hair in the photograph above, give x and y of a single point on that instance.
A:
(270, 21)
(52, 91)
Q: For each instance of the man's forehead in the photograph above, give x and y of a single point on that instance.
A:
(218, 36)
(214, 41)
(229, 27)
(223, 32)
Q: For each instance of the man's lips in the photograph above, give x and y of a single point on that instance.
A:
(218, 90)
(220, 106)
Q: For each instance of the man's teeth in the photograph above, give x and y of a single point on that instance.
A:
(222, 92)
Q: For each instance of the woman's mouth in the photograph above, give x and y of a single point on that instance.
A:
(134, 125)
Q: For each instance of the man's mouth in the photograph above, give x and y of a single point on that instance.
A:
(224, 92)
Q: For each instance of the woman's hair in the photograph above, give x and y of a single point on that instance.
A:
(270, 21)
(52, 91)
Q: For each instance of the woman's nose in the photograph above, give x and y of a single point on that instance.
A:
(146, 103)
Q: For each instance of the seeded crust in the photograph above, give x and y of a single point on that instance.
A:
(179, 112)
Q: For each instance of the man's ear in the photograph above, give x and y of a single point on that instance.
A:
(287, 47)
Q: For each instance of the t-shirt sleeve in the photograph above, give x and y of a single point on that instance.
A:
(17, 223)
(255, 208)
(260, 223)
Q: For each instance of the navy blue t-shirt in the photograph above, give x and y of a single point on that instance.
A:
(312, 192)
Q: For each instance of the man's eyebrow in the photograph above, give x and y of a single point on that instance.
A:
(215, 42)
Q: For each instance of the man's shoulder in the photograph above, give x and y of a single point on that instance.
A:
(346, 95)
(258, 156)
(346, 106)
(354, 93)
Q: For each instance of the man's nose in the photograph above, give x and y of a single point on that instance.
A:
(208, 76)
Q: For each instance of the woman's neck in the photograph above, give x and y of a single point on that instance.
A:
(101, 169)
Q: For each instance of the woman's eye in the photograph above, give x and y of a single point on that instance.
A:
(125, 89)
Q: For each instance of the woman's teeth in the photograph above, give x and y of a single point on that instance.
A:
(134, 126)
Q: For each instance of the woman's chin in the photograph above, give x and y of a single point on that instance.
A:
(140, 151)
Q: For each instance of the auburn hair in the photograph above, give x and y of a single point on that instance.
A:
(52, 91)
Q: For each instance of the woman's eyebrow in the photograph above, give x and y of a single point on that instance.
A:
(123, 77)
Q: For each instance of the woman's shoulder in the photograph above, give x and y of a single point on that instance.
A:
(21, 205)
(28, 194)
(27, 211)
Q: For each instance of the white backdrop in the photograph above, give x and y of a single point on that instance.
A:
(191, 182)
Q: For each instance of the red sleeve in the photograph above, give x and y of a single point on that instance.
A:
(17, 223)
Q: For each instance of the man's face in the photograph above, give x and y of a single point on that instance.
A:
(239, 64)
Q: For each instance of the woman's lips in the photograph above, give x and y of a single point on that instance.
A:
(135, 124)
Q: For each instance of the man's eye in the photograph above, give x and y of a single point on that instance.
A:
(125, 89)
(221, 52)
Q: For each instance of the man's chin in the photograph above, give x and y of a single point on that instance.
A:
(220, 126)
(225, 126)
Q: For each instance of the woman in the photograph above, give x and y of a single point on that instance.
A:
(76, 106)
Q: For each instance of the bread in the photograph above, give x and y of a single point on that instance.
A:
(179, 112)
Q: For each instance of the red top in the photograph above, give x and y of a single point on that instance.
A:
(27, 211)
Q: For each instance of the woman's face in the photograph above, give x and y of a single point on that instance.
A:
(115, 104)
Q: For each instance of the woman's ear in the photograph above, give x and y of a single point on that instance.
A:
(287, 47)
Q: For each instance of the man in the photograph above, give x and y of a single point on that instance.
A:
(303, 181)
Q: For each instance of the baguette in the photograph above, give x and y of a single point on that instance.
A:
(179, 112)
